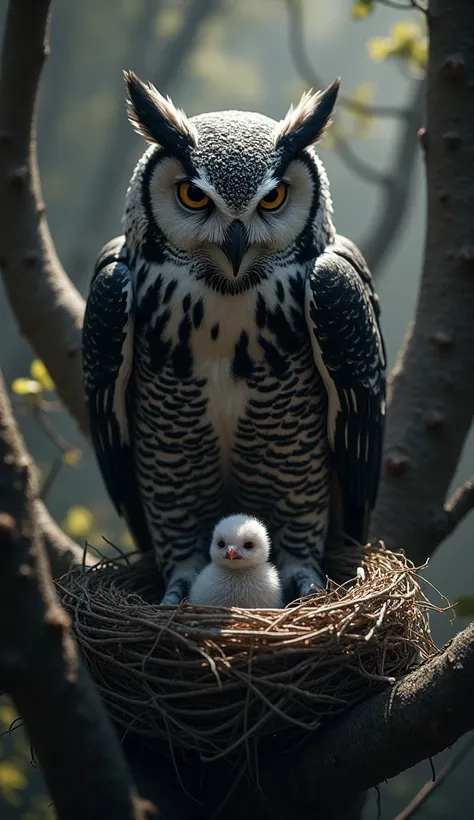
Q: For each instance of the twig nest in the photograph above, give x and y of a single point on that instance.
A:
(211, 679)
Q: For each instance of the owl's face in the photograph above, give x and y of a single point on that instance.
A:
(233, 189)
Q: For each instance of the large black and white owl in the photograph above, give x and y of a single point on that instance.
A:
(232, 355)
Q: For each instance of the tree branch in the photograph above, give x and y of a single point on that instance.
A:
(417, 718)
(39, 666)
(396, 183)
(100, 220)
(431, 395)
(63, 553)
(460, 505)
(304, 67)
(302, 64)
(48, 308)
(393, 209)
(429, 787)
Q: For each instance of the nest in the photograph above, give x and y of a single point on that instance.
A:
(212, 680)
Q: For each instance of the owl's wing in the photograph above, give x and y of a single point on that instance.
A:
(107, 361)
(342, 314)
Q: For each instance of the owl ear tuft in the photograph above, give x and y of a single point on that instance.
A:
(156, 118)
(306, 123)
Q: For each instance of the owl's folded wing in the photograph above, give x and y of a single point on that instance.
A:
(107, 355)
(342, 316)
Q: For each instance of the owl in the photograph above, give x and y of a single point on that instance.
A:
(232, 354)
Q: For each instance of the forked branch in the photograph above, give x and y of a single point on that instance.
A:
(39, 665)
(48, 308)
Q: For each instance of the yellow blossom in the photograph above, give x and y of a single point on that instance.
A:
(71, 457)
(379, 48)
(12, 780)
(26, 387)
(78, 522)
(361, 8)
(39, 372)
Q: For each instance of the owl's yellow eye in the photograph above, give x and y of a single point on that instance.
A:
(191, 196)
(275, 198)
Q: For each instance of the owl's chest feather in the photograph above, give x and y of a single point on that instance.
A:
(232, 346)
(226, 400)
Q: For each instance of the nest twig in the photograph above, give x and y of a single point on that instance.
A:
(212, 679)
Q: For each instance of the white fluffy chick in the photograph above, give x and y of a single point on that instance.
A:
(239, 573)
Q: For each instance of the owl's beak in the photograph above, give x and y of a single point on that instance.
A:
(235, 244)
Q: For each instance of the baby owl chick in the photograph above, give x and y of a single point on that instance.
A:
(239, 573)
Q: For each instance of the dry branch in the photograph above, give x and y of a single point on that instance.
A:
(39, 666)
(395, 184)
(99, 221)
(304, 67)
(48, 308)
(395, 195)
(421, 715)
(430, 786)
(455, 511)
(63, 553)
(431, 396)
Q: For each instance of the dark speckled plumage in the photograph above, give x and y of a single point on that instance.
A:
(235, 150)
(211, 394)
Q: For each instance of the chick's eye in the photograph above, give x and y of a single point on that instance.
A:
(221, 544)
(249, 545)
(275, 198)
(191, 196)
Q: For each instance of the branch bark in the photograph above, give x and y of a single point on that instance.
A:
(39, 666)
(418, 717)
(63, 553)
(48, 308)
(431, 395)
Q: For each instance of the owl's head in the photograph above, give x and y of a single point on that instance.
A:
(233, 189)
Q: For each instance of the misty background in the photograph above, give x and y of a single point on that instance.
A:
(211, 55)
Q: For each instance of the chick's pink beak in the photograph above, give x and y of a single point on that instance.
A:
(231, 553)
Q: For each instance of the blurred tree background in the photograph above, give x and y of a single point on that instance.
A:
(210, 55)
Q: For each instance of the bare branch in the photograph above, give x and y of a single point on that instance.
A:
(100, 221)
(48, 308)
(62, 551)
(427, 790)
(304, 67)
(357, 165)
(373, 742)
(39, 664)
(456, 509)
(393, 209)
(431, 395)
(396, 183)
(404, 5)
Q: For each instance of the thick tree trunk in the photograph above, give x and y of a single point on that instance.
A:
(431, 397)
